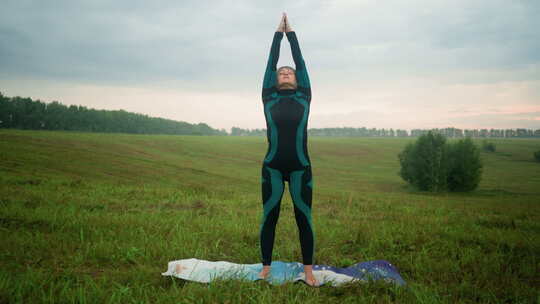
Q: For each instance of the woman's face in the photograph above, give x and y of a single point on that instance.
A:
(286, 79)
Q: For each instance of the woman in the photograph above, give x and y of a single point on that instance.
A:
(286, 96)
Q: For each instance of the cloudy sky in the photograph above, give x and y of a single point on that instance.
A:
(392, 64)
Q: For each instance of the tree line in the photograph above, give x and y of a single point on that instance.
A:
(374, 132)
(25, 113)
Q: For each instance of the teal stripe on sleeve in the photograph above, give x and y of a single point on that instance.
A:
(271, 65)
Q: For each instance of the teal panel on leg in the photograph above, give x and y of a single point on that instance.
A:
(276, 181)
(296, 192)
(296, 189)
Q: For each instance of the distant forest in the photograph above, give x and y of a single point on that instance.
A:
(373, 132)
(25, 113)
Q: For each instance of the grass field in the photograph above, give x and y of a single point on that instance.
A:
(95, 218)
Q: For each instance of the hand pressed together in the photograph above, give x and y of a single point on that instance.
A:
(284, 25)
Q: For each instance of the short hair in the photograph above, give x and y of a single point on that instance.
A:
(286, 67)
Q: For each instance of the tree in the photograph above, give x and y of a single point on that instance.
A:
(432, 164)
(465, 166)
(424, 163)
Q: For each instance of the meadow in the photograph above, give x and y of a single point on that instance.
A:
(96, 217)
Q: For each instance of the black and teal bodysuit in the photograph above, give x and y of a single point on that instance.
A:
(286, 112)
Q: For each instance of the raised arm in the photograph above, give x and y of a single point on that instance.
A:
(270, 72)
(302, 77)
(301, 72)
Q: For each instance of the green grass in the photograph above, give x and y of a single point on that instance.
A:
(95, 218)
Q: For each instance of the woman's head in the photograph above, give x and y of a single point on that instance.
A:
(286, 78)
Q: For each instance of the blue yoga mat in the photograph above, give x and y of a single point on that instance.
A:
(281, 272)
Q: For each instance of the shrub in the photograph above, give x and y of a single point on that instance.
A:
(423, 164)
(488, 146)
(465, 166)
(432, 164)
(537, 156)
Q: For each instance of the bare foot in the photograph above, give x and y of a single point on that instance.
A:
(310, 279)
(264, 272)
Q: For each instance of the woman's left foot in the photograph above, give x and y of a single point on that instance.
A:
(264, 272)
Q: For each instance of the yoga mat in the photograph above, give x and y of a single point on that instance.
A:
(281, 272)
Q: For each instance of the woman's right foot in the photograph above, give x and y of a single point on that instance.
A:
(311, 281)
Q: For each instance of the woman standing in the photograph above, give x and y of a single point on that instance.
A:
(286, 96)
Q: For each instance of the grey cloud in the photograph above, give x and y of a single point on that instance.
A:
(427, 38)
(221, 43)
(122, 43)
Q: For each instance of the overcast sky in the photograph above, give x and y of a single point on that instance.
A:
(383, 64)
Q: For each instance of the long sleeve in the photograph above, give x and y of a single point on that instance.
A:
(301, 72)
(270, 72)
